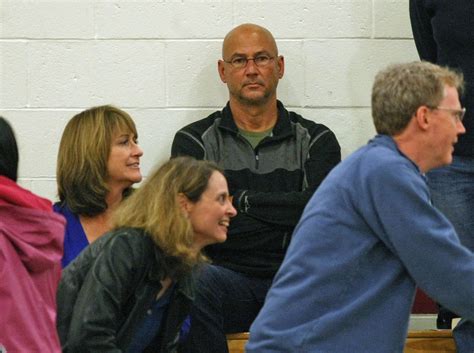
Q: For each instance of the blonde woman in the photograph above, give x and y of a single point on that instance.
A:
(98, 162)
(132, 289)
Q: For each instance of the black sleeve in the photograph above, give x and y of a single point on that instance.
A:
(72, 279)
(99, 307)
(186, 144)
(285, 208)
(420, 18)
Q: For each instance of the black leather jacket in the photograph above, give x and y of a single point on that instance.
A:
(105, 292)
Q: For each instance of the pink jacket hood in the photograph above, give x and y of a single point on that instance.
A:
(29, 224)
(31, 247)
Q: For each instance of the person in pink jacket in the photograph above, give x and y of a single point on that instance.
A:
(31, 247)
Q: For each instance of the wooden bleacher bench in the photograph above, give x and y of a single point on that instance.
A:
(429, 341)
(236, 342)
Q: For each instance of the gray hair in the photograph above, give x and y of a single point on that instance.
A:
(400, 89)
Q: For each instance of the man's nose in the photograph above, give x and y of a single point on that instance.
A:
(251, 66)
(460, 127)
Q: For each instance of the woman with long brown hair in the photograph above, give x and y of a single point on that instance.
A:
(98, 162)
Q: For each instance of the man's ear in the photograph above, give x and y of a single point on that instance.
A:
(422, 116)
(184, 203)
(281, 66)
(221, 70)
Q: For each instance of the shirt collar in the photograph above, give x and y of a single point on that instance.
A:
(389, 142)
(281, 129)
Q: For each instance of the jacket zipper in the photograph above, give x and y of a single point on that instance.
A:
(255, 150)
(284, 243)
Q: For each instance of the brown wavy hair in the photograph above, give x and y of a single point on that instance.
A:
(82, 158)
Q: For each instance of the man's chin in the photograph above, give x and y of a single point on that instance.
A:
(447, 161)
(255, 100)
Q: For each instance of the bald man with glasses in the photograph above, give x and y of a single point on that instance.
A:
(274, 160)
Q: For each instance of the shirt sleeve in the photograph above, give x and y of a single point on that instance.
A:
(186, 144)
(421, 237)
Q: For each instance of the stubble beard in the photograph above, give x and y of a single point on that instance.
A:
(254, 101)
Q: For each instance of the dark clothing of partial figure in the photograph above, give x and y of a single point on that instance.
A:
(270, 185)
(106, 291)
(444, 34)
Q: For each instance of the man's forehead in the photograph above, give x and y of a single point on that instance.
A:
(246, 50)
(248, 40)
(450, 93)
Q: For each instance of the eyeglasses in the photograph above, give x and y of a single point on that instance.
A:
(240, 62)
(458, 113)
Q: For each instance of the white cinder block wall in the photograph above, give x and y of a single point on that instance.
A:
(158, 59)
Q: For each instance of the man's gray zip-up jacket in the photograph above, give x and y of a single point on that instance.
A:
(271, 184)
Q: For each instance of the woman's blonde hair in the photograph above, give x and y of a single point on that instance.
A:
(83, 154)
(155, 207)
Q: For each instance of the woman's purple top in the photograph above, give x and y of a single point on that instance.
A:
(75, 239)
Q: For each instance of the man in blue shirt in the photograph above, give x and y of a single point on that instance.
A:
(369, 234)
